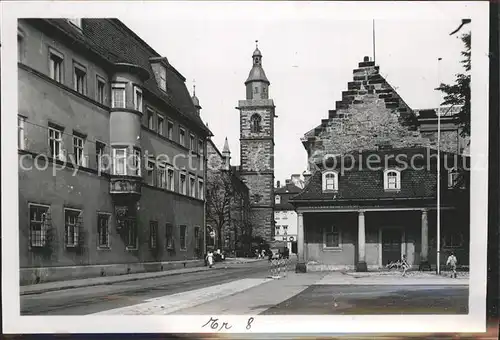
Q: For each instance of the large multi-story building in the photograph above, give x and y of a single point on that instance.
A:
(372, 195)
(111, 151)
(257, 113)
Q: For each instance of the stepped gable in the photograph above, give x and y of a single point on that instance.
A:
(370, 112)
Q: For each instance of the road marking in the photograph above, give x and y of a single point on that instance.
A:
(170, 303)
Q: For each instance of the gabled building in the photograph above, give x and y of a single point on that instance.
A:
(372, 194)
(284, 212)
(112, 154)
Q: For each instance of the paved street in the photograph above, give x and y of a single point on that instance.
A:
(383, 299)
(87, 300)
(246, 289)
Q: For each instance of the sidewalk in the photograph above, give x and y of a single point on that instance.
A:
(390, 278)
(108, 280)
(257, 299)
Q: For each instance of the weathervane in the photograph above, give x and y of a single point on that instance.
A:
(256, 44)
(194, 87)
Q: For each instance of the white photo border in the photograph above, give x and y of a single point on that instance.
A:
(475, 321)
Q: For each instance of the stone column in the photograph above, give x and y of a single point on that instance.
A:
(301, 264)
(424, 249)
(361, 265)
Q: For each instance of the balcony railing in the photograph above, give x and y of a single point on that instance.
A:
(125, 185)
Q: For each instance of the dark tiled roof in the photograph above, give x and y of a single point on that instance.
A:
(365, 184)
(114, 41)
(288, 188)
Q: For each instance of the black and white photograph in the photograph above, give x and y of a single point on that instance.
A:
(244, 167)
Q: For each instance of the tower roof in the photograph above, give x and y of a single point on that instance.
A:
(257, 72)
(225, 149)
(195, 99)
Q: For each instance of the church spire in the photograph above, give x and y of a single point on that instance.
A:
(226, 154)
(196, 101)
(257, 83)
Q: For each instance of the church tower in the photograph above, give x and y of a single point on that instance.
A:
(257, 147)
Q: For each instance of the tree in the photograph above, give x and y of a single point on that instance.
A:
(220, 191)
(458, 93)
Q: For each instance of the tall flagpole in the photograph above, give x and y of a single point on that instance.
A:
(438, 234)
(373, 32)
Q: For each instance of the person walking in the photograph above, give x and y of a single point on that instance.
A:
(210, 259)
(404, 265)
(452, 263)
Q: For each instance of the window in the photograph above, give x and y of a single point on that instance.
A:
(163, 78)
(103, 230)
(330, 181)
(182, 183)
(201, 189)
(160, 125)
(76, 22)
(39, 224)
(277, 228)
(118, 95)
(256, 90)
(55, 143)
(78, 143)
(99, 155)
(453, 240)
(170, 130)
(119, 161)
(131, 236)
(72, 218)
(200, 147)
(100, 89)
(137, 162)
(192, 186)
(182, 136)
(56, 65)
(453, 178)
(331, 237)
(162, 176)
(277, 199)
(285, 230)
(196, 238)
(137, 98)
(150, 172)
(170, 178)
(153, 234)
(192, 145)
(392, 180)
(169, 236)
(79, 78)
(20, 132)
(255, 123)
(150, 115)
(182, 237)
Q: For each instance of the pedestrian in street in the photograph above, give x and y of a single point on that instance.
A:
(404, 265)
(210, 259)
(452, 263)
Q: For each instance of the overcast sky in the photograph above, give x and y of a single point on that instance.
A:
(307, 58)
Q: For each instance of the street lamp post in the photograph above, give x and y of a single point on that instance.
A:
(438, 234)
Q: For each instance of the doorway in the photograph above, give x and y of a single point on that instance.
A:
(391, 245)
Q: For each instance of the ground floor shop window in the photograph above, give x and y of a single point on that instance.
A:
(103, 230)
(182, 236)
(39, 224)
(153, 234)
(331, 237)
(72, 218)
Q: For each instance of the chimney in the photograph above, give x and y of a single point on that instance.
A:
(307, 176)
(278, 185)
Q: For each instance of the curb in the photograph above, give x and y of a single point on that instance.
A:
(124, 278)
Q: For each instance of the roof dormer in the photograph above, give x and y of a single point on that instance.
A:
(159, 66)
